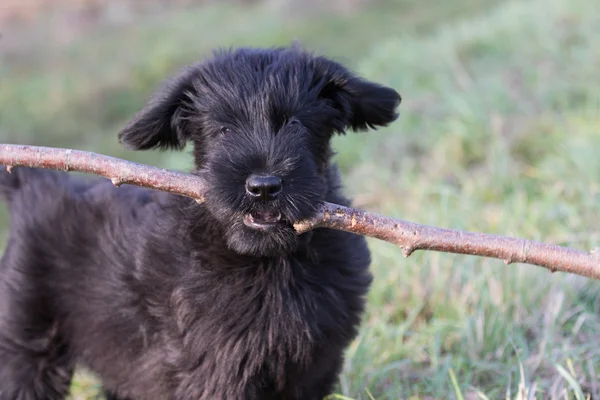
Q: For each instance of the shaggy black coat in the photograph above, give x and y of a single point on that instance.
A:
(164, 298)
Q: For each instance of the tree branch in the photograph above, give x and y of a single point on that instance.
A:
(409, 236)
(117, 170)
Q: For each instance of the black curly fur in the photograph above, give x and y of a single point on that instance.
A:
(164, 298)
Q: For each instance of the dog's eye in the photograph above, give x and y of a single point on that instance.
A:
(293, 122)
(224, 130)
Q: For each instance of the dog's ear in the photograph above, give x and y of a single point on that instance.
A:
(164, 121)
(364, 104)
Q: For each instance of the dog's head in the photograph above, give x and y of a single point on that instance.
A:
(260, 122)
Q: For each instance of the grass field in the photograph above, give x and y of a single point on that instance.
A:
(499, 133)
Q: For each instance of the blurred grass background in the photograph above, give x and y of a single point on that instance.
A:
(499, 132)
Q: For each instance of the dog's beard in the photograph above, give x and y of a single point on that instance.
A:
(277, 240)
(266, 240)
(262, 240)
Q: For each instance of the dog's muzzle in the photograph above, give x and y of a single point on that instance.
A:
(263, 188)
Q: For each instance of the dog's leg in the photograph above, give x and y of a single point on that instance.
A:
(35, 363)
(28, 374)
(317, 383)
(111, 396)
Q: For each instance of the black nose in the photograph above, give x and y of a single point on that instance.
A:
(263, 187)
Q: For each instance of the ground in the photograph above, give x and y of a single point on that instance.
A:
(499, 133)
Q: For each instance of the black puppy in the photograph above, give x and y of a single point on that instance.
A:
(164, 298)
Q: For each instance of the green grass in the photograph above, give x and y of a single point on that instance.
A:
(500, 133)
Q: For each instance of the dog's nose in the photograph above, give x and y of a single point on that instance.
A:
(263, 187)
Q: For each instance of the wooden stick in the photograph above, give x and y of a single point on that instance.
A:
(409, 236)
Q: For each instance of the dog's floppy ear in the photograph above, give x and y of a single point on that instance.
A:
(364, 104)
(163, 122)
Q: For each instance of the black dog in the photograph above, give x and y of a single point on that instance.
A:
(164, 298)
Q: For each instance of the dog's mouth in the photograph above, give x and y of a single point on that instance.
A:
(262, 219)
